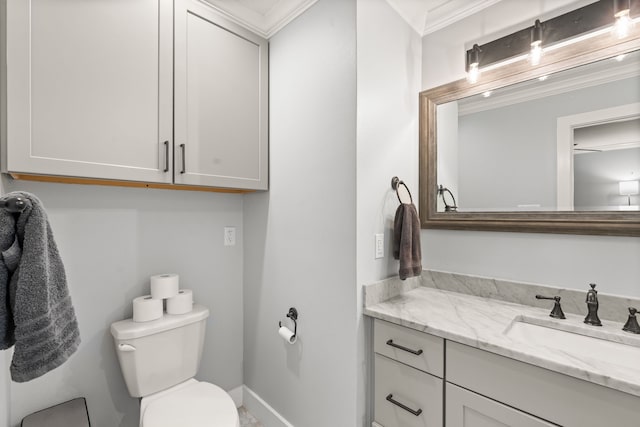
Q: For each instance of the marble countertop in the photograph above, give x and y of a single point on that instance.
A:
(482, 322)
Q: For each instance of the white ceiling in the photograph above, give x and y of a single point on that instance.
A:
(266, 17)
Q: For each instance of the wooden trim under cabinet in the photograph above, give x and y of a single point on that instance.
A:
(130, 184)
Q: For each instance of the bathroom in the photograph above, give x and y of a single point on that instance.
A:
(344, 79)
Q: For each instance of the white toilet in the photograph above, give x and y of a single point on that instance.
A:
(159, 360)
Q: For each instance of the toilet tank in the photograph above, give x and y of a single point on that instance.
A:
(161, 353)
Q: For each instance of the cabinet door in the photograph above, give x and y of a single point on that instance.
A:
(220, 101)
(406, 397)
(89, 88)
(468, 409)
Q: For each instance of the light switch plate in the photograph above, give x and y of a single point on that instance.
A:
(379, 246)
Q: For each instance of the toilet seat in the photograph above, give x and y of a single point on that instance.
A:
(191, 404)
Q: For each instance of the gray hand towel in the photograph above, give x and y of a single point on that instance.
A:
(7, 242)
(45, 331)
(406, 241)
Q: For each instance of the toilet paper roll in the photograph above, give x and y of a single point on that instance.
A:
(287, 335)
(181, 303)
(146, 309)
(164, 285)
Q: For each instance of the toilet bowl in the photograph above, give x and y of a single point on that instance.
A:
(192, 404)
(159, 360)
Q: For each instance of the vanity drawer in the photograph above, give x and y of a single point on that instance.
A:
(561, 399)
(416, 390)
(400, 343)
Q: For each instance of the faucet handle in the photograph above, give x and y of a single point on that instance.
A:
(632, 323)
(557, 312)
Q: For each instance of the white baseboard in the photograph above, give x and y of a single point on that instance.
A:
(236, 394)
(260, 409)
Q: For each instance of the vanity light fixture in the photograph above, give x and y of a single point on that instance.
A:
(473, 64)
(623, 24)
(629, 188)
(536, 43)
(592, 20)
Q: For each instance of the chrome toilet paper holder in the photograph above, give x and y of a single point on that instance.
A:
(293, 315)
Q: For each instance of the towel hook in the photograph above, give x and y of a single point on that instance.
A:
(395, 184)
(13, 204)
(293, 315)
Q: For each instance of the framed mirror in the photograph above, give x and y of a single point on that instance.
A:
(552, 148)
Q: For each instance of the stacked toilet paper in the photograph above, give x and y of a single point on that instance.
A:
(163, 287)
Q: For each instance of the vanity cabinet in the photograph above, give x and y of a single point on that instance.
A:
(408, 377)
(89, 93)
(467, 409)
(481, 389)
(221, 89)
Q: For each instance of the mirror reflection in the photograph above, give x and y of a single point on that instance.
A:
(569, 141)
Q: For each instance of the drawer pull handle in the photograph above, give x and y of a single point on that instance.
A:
(406, 408)
(416, 352)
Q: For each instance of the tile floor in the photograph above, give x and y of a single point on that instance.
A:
(246, 419)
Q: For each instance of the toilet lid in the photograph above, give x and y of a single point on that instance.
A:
(197, 405)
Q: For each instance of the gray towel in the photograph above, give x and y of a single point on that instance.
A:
(40, 320)
(406, 241)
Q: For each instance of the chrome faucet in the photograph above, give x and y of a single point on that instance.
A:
(592, 307)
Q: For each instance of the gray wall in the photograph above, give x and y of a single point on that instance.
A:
(300, 237)
(111, 240)
(596, 177)
(507, 156)
(389, 53)
(571, 261)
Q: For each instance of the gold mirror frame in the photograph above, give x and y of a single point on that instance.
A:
(583, 52)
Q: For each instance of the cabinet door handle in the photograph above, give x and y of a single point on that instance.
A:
(416, 352)
(166, 156)
(405, 407)
(184, 162)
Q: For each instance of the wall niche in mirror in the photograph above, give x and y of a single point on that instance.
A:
(546, 148)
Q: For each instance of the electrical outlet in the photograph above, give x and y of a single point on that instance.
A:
(379, 246)
(229, 236)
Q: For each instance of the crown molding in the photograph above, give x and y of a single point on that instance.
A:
(427, 17)
(263, 24)
(455, 11)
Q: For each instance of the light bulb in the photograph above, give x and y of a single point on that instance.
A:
(536, 53)
(536, 43)
(623, 24)
(473, 74)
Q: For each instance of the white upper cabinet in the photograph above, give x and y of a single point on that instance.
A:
(221, 104)
(89, 89)
(90, 93)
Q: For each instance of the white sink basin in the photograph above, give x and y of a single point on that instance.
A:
(606, 345)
